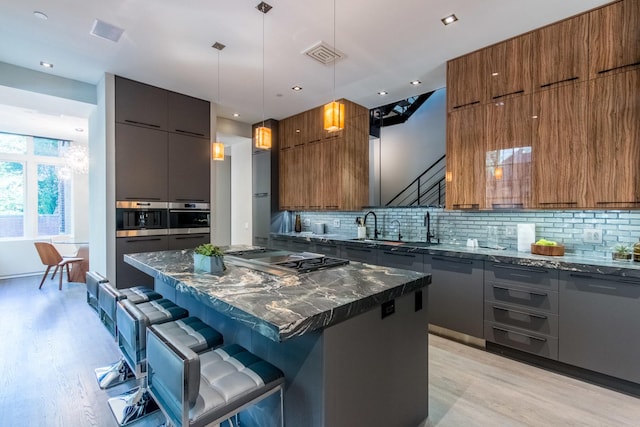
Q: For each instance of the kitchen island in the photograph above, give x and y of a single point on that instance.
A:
(352, 340)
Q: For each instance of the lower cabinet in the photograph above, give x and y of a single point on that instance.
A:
(360, 253)
(276, 242)
(326, 248)
(128, 276)
(401, 259)
(599, 323)
(521, 308)
(188, 241)
(455, 293)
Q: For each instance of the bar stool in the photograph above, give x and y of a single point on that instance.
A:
(94, 279)
(189, 332)
(109, 296)
(195, 389)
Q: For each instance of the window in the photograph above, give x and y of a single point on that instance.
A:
(35, 186)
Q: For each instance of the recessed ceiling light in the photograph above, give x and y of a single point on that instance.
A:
(449, 19)
(79, 130)
(296, 88)
(236, 114)
(494, 74)
(46, 64)
(383, 92)
(415, 82)
(40, 15)
(106, 31)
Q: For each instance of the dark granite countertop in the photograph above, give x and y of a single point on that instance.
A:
(568, 262)
(282, 307)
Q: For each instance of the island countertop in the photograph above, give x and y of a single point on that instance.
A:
(282, 307)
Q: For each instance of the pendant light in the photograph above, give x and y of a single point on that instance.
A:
(218, 147)
(263, 133)
(334, 111)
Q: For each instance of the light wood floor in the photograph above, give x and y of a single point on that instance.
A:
(50, 342)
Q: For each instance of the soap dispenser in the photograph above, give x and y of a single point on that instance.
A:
(636, 251)
(298, 226)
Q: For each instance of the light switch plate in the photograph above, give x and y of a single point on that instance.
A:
(336, 223)
(592, 235)
(307, 222)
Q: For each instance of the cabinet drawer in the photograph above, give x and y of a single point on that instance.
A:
(327, 249)
(405, 260)
(522, 296)
(360, 254)
(508, 274)
(540, 322)
(297, 246)
(279, 243)
(523, 340)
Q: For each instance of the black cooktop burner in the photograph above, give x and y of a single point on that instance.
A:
(312, 264)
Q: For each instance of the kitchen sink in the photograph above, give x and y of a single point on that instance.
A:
(394, 242)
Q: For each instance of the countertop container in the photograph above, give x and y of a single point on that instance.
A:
(557, 250)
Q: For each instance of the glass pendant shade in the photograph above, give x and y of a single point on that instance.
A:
(263, 138)
(218, 151)
(497, 173)
(333, 116)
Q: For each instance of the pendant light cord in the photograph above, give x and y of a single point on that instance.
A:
(263, 13)
(334, 50)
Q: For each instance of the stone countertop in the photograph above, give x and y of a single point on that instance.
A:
(282, 307)
(568, 262)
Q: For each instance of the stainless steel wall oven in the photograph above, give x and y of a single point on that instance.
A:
(189, 218)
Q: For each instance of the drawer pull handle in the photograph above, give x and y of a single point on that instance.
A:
(465, 105)
(436, 258)
(559, 81)
(540, 294)
(507, 94)
(506, 331)
(618, 68)
(538, 316)
(188, 132)
(141, 123)
(607, 279)
(510, 267)
(144, 240)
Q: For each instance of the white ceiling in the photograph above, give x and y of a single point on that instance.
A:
(167, 43)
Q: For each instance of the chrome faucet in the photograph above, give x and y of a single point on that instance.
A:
(399, 235)
(427, 223)
(375, 224)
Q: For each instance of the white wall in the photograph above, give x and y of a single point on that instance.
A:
(241, 195)
(408, 149)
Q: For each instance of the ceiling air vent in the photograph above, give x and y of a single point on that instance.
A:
(324, 53)
(106, 31)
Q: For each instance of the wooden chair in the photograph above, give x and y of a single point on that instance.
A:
(50, 257)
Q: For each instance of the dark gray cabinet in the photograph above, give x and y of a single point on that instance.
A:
(456, 294)
(599, 322)
(140, 104)
(141, 163)
(189, 116)
(521, 308)
(188, 241)
(128, 276)
(299, 246)
(401, 259)
(360, 253)
(277, 242)
(326, 248)
(189, 166)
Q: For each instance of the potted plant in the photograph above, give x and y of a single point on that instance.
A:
(209, 258)
(621, 252)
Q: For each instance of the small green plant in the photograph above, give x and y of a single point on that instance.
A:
(207, 249)
(622, 249)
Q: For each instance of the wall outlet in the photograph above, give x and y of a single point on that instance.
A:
(336, 223)
(510, 231)
(307, 222)
(592, 236)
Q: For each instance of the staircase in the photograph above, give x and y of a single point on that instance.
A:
(428, 189)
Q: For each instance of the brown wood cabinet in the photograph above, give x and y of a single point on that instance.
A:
(615, 38)
(330, 173)
(559, 53)
(508, 68)
(614, 141)
(314, 125)
(465, 81)
(465, 167)
(559, 147)
(508, 153)
(291, 132)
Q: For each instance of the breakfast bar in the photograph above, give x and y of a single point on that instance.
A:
(352, 339)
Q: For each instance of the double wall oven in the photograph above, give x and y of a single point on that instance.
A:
(149, 226)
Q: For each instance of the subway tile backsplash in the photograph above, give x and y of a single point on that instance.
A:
(455, 227)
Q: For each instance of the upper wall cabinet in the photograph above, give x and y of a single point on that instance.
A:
(465, 81)
(559, 146)
(559, 53)
(140, 104)
(291, 132)
(465, 168)
(508, 68)
(615, 38)
(614, 144)
(189, 116)
(189, 168)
